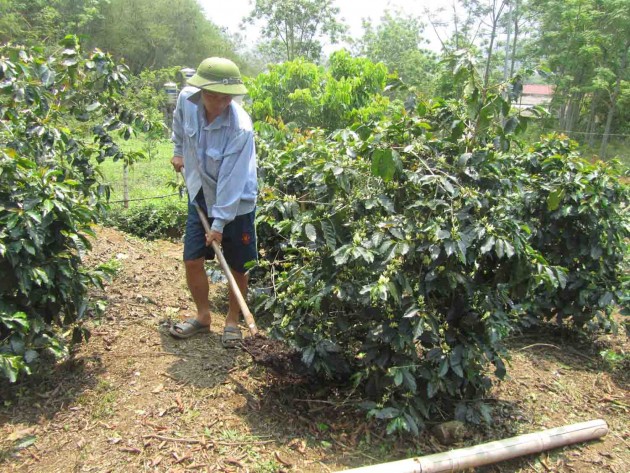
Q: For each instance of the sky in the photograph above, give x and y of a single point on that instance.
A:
(229, 15)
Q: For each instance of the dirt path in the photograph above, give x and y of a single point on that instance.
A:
(135, 400)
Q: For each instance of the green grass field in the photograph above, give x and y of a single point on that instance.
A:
(148, 178)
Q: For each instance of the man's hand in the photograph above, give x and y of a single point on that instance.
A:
(213, 236)
(178, 163)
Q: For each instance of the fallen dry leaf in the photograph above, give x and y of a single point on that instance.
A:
(298, 445)
(281, 460)
(180, 404)
(18, 434)
(130, 450)
(234, 461)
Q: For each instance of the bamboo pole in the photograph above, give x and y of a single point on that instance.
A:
(493, 452)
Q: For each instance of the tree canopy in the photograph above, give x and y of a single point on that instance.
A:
(397, 41)
(148, 34)
(307, 95)
(152, 34)
(293, 27)
(586, 44)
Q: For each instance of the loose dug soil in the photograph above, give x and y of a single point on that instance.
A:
(134, 399)
(285, 363)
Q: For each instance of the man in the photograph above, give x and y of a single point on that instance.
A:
(214, 146)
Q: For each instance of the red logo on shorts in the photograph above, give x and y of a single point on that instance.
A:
(246, 238)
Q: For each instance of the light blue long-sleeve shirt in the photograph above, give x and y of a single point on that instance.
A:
(219, 157)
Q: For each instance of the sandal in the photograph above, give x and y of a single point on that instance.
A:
(188, 328)
(231, 337)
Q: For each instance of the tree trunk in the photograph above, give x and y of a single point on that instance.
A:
(486, 76)
(565, 111)
(126, 185)
(506, 62)
(609, 117)
(455, 20)
(496, 15)
(515, 39)
(613, 102)
(575, 115)
(590, 125)
(571, 113)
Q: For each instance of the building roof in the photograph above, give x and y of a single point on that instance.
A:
(537, 89)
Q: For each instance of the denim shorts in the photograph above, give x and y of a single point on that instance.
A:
(238, 244)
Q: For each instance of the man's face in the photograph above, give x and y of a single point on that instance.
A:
(214, 102)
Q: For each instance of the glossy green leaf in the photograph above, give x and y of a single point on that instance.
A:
(554, 199)
(310, 231)
(383, 164)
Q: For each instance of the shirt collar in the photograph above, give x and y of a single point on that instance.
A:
(221, 121)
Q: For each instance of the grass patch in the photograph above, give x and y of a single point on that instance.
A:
(614, 360)
(154, 211)
(101, 401)
(268, 466)
(230, 435)
(617, 149)
(147, 178)
(113, 266)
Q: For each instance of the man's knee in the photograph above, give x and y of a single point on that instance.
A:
(194, 265)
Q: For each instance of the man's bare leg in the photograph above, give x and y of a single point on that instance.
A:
(234, 309)
(199, 288)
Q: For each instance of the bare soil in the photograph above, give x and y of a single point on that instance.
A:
(284, 362)
(134, 399)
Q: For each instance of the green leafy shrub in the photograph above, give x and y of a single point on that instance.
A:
(43, 234)
(400, 252)
(306, 95)
(578, 214)
(151, 221)
(147, 87)
(49, 192)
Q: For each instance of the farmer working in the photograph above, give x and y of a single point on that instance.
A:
(214, 146)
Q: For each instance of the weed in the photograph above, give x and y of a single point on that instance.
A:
(151, 220)
(229, 435)
(268, 466)
(191, 415)
(322, 427)
(613, 360)
(111, 267)
(102, 400)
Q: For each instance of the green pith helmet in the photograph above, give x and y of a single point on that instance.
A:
(217, 74)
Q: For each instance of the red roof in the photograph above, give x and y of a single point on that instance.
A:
(537, 89)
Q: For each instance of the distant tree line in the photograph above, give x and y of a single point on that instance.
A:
(148, 34)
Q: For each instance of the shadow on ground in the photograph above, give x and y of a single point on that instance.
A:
(203, 363)
(550, 345)
(43, 396)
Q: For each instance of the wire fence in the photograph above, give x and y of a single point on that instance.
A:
(157, 197)
(586, 133)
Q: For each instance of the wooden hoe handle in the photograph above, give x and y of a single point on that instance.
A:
(249, 318)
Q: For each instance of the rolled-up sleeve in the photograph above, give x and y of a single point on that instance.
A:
(237, 168)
